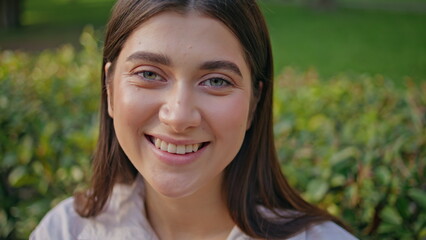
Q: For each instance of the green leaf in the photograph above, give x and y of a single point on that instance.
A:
(344, 154)
(402, 204)
(391, 215)
(17, 176)
(383, 173)
(26, 150)
(418, 196)
(317, 189)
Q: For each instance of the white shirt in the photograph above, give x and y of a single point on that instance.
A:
(124, 218)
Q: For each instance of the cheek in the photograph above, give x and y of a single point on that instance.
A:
(132, 110)
(229, 119)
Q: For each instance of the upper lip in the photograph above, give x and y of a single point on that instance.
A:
(173, 140)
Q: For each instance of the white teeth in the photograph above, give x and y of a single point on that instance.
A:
(180, 149)
(195, 147)
(188, 148)
(173, 148)
(164, 146)
(157, 143)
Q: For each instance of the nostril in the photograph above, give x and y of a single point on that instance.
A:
(180, 113)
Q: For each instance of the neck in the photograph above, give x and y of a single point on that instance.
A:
(202, 215)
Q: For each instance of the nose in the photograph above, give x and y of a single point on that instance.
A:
(179, 111)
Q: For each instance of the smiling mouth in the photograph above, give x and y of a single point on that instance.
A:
(174, 148)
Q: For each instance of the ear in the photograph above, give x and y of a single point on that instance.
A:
(253, 105)
(108, 88)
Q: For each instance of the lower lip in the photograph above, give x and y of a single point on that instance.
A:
(176, 159)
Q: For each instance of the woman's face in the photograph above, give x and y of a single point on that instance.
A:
(180, 99)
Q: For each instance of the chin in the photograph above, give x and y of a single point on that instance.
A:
(174, 187)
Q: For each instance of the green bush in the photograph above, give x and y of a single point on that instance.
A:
(48, 119)
(356, 147)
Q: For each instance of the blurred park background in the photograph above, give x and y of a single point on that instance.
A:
(350, 107)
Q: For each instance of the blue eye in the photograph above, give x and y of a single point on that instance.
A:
(216, 82)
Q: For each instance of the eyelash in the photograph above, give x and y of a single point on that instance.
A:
(225, 82)
(140, 74)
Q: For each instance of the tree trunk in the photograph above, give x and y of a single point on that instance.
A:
(10, 13)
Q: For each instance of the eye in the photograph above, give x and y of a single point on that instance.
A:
(216, 82)
(150, 75)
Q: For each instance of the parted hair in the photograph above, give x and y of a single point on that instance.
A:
(253, 180)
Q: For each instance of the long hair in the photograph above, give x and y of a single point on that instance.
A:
(253, 184)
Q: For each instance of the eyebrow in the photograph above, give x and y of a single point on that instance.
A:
(222, 64)
(150, 57)
(164, 60)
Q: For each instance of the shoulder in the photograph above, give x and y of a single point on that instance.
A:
(322, 231)
(62, 222)
(123, 217)
(325, 231)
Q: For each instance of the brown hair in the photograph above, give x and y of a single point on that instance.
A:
(254, 177)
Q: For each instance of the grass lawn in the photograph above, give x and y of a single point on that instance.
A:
(51, 23)
(350, 41)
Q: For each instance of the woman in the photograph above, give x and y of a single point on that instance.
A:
(186, 149)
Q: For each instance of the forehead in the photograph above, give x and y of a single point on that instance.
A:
(191, 33)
